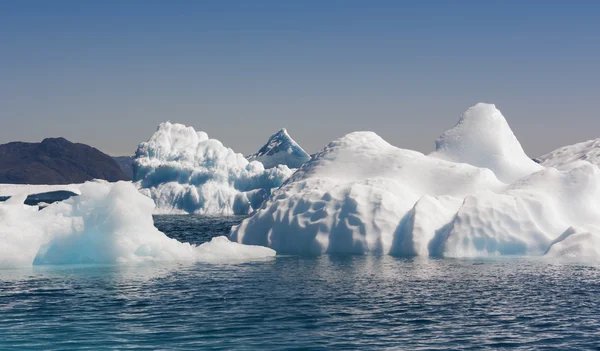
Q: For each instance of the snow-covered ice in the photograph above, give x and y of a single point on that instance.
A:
(585, 151)
(281, 149)
(107, 223)
(482, 138)
(477, 194)
(185, 171)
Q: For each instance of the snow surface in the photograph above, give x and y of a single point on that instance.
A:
(281, 149)
(107, 223)
(477, 195)
(185, 171)
(585, 151)
(483, 138)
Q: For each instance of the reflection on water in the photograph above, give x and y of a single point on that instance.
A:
(326, 302)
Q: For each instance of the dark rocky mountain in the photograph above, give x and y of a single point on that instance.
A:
(126, 164)
(55, 161)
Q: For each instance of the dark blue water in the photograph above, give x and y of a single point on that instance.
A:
(327, 302)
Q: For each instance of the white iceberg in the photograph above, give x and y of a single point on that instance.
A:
(184, 171)
(477, 195)
(586, 151)
(107, 223)
(281, 149)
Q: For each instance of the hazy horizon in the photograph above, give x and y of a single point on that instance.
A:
(106, 74)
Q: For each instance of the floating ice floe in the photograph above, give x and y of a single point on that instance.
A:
(107, 223)
(477, 194)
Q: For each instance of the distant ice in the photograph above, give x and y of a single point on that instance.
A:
(107, 223)
(185, 171)
(586, 151)
(478, 194)
(281, 149)
(14, 189)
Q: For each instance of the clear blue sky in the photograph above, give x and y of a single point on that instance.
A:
(107, 72)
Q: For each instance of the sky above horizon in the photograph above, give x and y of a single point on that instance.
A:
(106, 73)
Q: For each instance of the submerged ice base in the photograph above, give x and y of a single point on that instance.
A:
(107, 223)
(477, 194)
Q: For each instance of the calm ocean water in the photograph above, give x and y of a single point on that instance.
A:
(308, 303)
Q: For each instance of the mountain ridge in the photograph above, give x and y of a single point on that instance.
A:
(55, 161)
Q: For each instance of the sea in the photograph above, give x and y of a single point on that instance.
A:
(323, 302)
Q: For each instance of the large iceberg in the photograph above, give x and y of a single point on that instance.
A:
(107, 223)
(185, 171)
(281, 149)
(585, 151)
(477, 194)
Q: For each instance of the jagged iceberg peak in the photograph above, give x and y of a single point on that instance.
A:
(174, 142)
(185, 171)
(483, 138)
(281, 149)
(584, 151)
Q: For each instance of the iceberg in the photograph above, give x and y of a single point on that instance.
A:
(477, 194)
(185, 171)
(586, 151)
(280, 149)
(107, 223)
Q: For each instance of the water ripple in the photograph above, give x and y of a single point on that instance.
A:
(327, 302)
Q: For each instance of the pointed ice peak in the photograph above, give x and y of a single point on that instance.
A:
(280, 149)
(483, 138)
(282, 132)
(281, 135)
